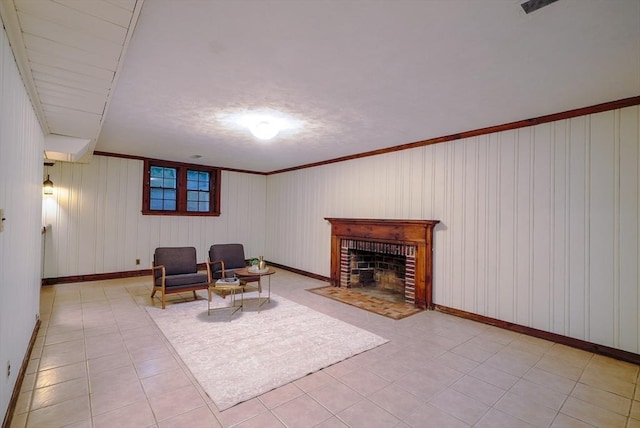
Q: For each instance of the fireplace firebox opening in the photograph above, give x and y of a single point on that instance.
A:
(386, 270)
(377, 274)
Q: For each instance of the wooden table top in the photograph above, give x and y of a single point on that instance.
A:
(247, 272)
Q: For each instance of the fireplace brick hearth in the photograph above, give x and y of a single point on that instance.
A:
(414, 238)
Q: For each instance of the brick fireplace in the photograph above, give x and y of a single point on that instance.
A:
(412, 238)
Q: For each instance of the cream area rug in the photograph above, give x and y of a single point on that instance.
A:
(240, 356)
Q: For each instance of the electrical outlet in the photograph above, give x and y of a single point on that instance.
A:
(8, 368)
(137, 261)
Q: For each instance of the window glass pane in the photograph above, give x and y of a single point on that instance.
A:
(204, 185)
(192, 196)
(204, 176)
(163, 194)
(156, 204)
(170, 194)
(192, 206)
(192, 175)
(204, 206)
(204, 196)
(156, 171)
(192, 185)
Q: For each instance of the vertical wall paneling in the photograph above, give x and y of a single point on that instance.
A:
(602, 226)
(427, 171)
(507, 227)
(439, 209)
(587, 231)
(481, 223)
(616, 229)
(491, 221)
(523, 226)
(551, 227)
(578, 231)
(447, 212)
(133, 196)
(87, 201)
(457, 180)
(629, 229)
(567, 230)
(21, 241)
(469, 283)
(494, 308)
(102, 213)
(559, 232)
(539, 226)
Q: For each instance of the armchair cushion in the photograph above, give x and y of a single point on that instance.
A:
(183, 279)
(176, 260)
(232, 255)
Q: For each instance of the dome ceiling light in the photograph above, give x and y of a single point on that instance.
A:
(264, 124)
(264, 130)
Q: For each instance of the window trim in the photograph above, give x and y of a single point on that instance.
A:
(181, 188)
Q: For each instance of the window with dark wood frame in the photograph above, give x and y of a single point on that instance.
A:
(170, 188)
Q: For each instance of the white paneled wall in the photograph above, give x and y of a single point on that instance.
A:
(21, 153)
(97, 226)
(539, 225)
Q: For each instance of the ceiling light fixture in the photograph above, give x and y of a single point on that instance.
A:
(264, 124)
(264, 129)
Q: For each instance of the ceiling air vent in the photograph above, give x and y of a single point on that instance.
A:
(533, 5)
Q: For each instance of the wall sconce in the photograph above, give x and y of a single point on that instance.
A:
(47, 185)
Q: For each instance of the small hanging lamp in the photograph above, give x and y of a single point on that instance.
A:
(47, 185)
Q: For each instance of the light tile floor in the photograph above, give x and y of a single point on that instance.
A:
(100, 361)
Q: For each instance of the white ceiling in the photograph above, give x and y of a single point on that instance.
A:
(358, 75)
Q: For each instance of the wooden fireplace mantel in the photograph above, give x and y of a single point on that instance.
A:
(408, 232)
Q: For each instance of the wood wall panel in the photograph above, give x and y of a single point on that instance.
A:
(492, 223)
(559, 298)
(629, 230)
(539, 225)
(602, 225)
(21, 149)
(523, 223)
(439, 208)
(578, 231)
(507, 227)
(541, 228)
